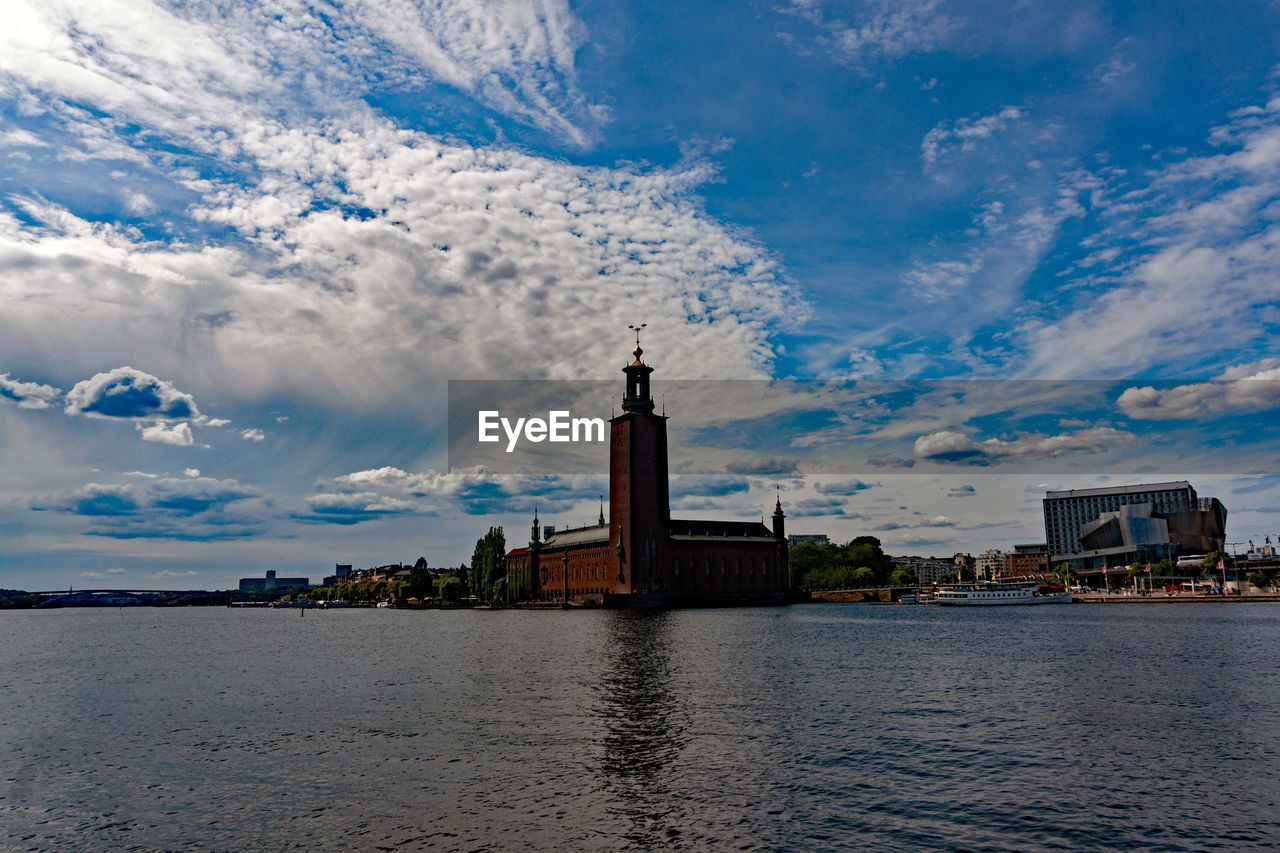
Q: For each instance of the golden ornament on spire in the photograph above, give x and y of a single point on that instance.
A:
(637, 352)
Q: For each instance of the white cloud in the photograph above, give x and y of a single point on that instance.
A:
(28, 395)
(188, 508)
(129, 393)
(883, 30)
(178, 434)
(252, 434)
(964, 134)
(192, 472)
(949, 446)
(376, 492)
(1193, 238)
(1258, 388)
(516, 56)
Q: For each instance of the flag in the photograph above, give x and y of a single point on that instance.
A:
(1148, 568)
(1221, 564)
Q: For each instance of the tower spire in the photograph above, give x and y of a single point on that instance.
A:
(600, 521)
(637, 399)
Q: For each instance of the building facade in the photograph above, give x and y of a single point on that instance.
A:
(1027, 561)
(1095, 528)
(640, 555)
(271, 583)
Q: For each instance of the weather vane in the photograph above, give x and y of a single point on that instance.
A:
(637, 329)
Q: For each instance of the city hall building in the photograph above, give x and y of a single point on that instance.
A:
(640, 555)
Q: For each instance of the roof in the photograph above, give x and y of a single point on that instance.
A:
(516, 552)
(1177, 485)
(682, 527)
(596, 534)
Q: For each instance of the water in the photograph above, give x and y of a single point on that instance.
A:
(809, 727)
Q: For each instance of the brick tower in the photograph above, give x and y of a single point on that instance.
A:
(639, 498)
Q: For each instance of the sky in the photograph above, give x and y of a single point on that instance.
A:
(245, 248)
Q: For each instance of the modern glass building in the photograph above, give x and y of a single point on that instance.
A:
(1093, 528)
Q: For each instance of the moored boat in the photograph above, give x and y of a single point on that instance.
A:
(997, 594)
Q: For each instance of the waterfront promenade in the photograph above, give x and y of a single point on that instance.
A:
(1161, 597)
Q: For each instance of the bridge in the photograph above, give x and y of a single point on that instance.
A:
(121, 597)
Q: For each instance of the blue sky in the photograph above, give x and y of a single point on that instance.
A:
(244, 251)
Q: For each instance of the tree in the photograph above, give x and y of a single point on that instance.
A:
(420, 580)
(1065, 573)
(903, 576)
(488, 565)
(1260, 579)
(804, 559)
(450, 588)
(862, 577)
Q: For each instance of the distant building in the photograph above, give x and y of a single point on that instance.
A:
(271, 583)
(1095, 528)
(808, 539)
(990, 564)
(340, 573)
(928, 570)
(1027, 561)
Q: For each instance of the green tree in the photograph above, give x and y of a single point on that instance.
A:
(1065, 573)
(903, 576)
(420, 582)
(15, 599)
(806, 558)
(1261, 580)
(863, 577)
(450, 587)
(487, 565)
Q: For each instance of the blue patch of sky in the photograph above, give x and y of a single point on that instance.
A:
(825, 164)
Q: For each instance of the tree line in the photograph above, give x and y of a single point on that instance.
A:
(857, 564)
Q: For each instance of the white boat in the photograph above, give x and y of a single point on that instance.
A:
(996, 594)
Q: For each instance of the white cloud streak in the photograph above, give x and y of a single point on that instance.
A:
(949, 446)
(1258, 389)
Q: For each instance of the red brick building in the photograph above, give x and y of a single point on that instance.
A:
(641, 555)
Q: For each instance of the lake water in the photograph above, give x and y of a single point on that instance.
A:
(800, 728)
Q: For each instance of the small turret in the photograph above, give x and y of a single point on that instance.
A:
(779, 523)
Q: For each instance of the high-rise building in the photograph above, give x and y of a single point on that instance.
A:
(1093, 528)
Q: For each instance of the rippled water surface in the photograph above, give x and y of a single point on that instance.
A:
(800, 728)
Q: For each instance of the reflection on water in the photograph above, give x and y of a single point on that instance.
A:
(644, 725)
(841, 727)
